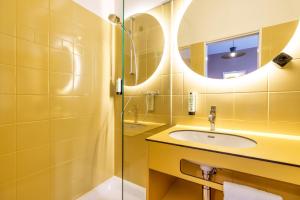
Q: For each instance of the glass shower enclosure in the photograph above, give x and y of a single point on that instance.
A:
(143, 107)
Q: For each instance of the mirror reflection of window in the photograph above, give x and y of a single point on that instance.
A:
(233, 57)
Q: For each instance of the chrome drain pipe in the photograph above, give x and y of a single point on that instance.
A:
(207, 172)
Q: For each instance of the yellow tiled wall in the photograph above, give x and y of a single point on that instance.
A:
(56, 113)
(274, 39)
(265, 100)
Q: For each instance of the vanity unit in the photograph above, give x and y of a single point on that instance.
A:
(267, 161)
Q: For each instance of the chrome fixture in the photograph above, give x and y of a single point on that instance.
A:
(212, 117)
(114, 19)
(282, 59)
(207, 172)
(117, 21)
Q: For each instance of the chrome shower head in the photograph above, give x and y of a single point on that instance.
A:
(113, 18)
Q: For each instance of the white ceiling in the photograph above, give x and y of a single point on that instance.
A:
(137, 6)
(103, 8)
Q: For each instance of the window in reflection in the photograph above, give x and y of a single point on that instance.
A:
(233, 57)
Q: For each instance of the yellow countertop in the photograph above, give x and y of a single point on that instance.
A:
(272, 147)
(132, 128)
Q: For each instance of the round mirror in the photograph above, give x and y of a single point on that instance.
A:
(144, 43)
(227, 39)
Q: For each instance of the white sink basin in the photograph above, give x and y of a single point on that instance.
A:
(218, 139)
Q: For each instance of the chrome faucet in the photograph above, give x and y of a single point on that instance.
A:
(212, 118)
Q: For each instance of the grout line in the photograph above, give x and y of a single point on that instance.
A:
(16, 89)
(283, 92)
(7, 34)
(268, 109)
(41, 68)
(49, 95)
(31, 41)
(250, 92)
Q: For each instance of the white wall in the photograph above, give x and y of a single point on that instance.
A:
(207, 20)
(103, 8)
(136, 6)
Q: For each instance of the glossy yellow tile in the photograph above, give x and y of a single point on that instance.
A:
(285, 106)
(35, 76)
(291, 128)
(82, 85)
(33, 20)
(36, 187)
(32, 107)
(61, 181)
(216, 86)
(67, 150)
(177, 105)
(8, 17)
(162, 105)
(60, 10)
(7, 50)
(33, 134)
(32, 81)
(193, 84)
(7, 109)
(34, 4)
(7, 139)
(135, 105)
(7, 79)
(223, 102)
(287, 79)
(251, 106)
(275, 38)
(177, 84)
(155, 37)
(197, 57)
(61, 83)
(31, 161)
(82, 64)
(63, 106)
(8, 191)
(165, 84)
(86, 105)
(256, 81)
(56, 4)
(153, 61)
(7, 168)
(33, 55)
(61, 60)
(27, 33)
(67, 128)
(259, 126)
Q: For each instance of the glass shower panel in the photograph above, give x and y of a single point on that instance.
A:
(146, 97)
